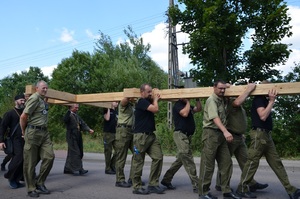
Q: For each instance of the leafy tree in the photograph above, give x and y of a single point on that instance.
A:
(216, 29)
(287, 119)
(15, 84)
(270, 23)
(111, 68)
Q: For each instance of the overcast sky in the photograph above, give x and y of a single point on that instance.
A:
(42, 33)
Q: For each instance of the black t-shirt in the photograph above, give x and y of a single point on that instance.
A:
(260, 101)
(111, 124)
(184, 124)
(144, 119)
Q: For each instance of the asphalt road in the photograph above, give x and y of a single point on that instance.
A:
(97, 184)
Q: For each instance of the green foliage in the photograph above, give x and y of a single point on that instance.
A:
(287, 119)
(216, 30)
(111, 68)
(15, 84)
(165, 136)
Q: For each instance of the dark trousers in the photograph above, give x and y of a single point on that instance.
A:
(75, 151)
(15, 167)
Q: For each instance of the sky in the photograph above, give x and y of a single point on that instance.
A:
(43, 33)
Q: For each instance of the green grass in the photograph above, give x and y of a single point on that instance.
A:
(90, 144)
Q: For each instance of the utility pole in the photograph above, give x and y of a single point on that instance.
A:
(173, 69)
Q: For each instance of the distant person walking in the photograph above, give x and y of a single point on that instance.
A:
(75, 125)
(10, 125)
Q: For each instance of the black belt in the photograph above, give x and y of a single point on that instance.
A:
(124, 126)
(261, 129)
(37, 127)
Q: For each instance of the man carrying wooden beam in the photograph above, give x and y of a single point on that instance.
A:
(214, 139)
(144, 141)
(183, 113)
(262, 145)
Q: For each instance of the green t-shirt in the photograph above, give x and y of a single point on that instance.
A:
(236, 118)
(126, 114)
(214, 107)
(37, 110)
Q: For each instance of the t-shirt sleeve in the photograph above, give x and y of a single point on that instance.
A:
(31, 105)
(143, 104)
(258, 102)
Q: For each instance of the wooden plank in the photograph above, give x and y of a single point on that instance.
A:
(96, 104)
(53, 94)
(29, 89)
(204, 92)
(59, 95)
(170, 94)
(99, 97)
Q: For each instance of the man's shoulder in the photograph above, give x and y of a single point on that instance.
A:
(34, 96)
(212, 98)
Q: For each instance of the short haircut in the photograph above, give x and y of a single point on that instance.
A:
(142, 88)
(219, 81)
(40, 82)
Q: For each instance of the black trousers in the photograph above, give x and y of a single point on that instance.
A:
(15, 167)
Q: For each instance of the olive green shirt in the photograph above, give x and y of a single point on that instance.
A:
(214, 107)
(126, 114)
(236, 118)
(37, 110)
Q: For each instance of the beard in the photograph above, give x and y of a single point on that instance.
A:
(20, 106)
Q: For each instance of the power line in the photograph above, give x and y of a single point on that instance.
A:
(112, 32)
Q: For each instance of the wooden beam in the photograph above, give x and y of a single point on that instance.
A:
(166, 94)
(99, 97)
(59, 95)
(96, 104)
(204, 92)
(53, 94)
(29, 89)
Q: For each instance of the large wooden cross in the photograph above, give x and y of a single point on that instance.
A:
(105, 99)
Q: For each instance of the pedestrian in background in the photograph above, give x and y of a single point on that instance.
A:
(10, 126)
(75, 125)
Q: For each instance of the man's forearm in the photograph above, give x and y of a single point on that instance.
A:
(23, 123)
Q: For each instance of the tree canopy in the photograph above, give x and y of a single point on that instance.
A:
(110, 68)
(217, 28)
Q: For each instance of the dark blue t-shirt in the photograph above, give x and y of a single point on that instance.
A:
(184, 124)
(260, 101)
(111, 124)
(144, 119)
